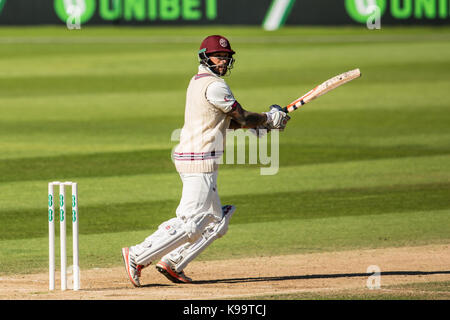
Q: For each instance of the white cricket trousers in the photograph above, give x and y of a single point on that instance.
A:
(199, 196)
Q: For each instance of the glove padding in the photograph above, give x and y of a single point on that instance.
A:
(276, 118)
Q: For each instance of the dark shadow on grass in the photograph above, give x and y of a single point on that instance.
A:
(157, 161)
(319, 276)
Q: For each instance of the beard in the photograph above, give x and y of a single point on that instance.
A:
(221, 70)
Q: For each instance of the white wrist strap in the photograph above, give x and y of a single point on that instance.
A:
(269, 117)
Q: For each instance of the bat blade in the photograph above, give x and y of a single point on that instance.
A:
(323, 88)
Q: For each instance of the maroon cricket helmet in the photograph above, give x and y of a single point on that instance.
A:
(215, 43)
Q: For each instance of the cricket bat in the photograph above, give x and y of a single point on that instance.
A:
(323, 88)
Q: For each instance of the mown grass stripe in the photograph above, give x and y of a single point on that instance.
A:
(250, 240)
(73, 84)
(110, 164)
(138, 82)
(250, 208)
(255, 39)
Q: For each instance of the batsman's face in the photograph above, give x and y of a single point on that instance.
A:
(221, 59)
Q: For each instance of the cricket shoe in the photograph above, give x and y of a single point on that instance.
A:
(133, 269)
(166, 269)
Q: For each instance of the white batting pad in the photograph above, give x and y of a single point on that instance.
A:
(169, 236)
(184, 254)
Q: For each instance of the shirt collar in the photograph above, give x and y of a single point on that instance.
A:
(203, 69)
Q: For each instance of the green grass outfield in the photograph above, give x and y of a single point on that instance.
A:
(365, 166)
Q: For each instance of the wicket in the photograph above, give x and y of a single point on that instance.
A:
(62, 223)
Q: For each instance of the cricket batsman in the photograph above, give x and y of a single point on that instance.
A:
(200, 218)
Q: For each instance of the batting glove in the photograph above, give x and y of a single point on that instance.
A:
(276, 118)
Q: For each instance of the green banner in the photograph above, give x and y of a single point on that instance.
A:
(67, 9)
(277, 14)
(270, 14)
(361, 10)
(428, 10)
(2, 3)
(138, 10)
